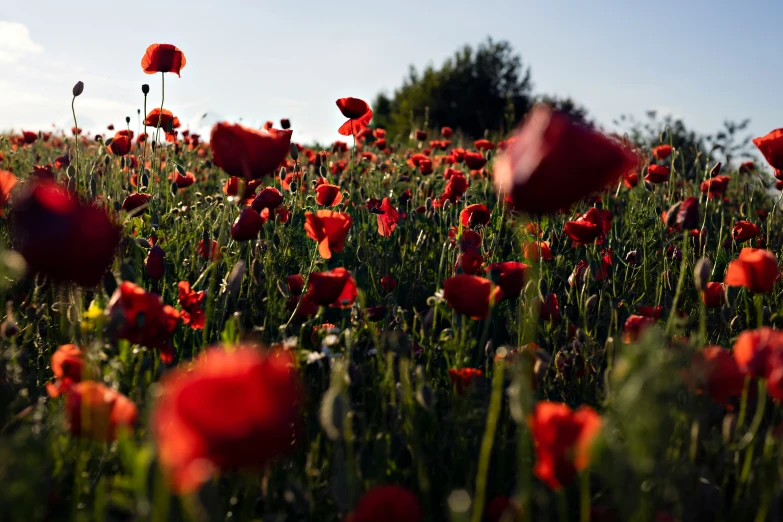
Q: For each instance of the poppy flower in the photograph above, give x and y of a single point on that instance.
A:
(374, 313)
(456, 186)
(329, 229)
(233, 184)
(446, 132)
(653, 312)
(295, 284)
(7, 183)
(163, 58)
(474, 215)
(714, 295)
(744, 230)
(246, 152)
(771, 146)
(61, 236)
(328, 195)
(145, 320)
(43, 172)
(634, 326)
(631, 179)
(562, 439)
(715, 371)
(387, 504)
(661, 152)
(747, 166)
(555, 161)
(759, 353)
(716, 185)
(155, 263)
(470, 261)
(388, 283)
(358, 113)
(336, 288)
(209, 250)
(425, 167)
(199, 433)
(29, 137)
(248, 224)
(548, 308)
(484, 144)
(133, 202)
(192, 313)
(165, 118)
(589, 227)
(68, 367)
(387, 218)
(182, 180)
(282, 214)
(537, 250)
(755, 269)
(120, 145)
(267, 197)
(474, 160)
(510, 276)
(688, 214)
(380, 143)
(657, 174)
(462, 378)
(97, 412)
(471, 295)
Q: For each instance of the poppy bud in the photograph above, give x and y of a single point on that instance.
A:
(145, 89)
(283, 173)
(127, 119)
(631, 257)
(78, 89)
(428, 203)
(716, 169)
(671, 215)
(688, 214)
(446, 204)
(155, 264)
(701, 273)
(294, 152)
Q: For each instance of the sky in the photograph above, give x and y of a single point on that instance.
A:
(700, 60)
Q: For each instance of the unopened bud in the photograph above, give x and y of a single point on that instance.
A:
(127, 119)
(671, 215)
(283, 173)
(294, 152)
(428, 203)
(701, 273)
(78, 89)
(716, 169)
(145, 89)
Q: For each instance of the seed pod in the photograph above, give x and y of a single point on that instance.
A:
(145, 89)
(294, 152)
(283, 173)
(78, 89)
(701, 273)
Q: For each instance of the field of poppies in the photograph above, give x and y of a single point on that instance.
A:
(555, 324)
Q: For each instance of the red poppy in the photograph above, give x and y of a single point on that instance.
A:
(120, 145)
(379, 133)
(67, 367)
(246, 152)
(716, 185)
(744, 230)
(329, 229)
(163, 58)
(165, 118)
(537, 250)
(548, 308)
(657, 174)
(631, 179)
(755, 269)
(634, 326)
(555, 162)
(471, 295)
(269, 198)
(421, 135)
(209, 250)
(456, 186)
(62, 237)
(715, 370)
(446, 132)
(133, 202)
(248, 224)
(747, 166)
(228, 411)
(387, 219)
(328, 195)
(388, 283)
(589, 227)
(358, 113)
(652, 312)
(282, 214)
(474, 215)
(474, 160)
(484, 144)
(147, 321)
(510, 277)
(182, 180)
(562, 438)
(7, 183)
(425, 167)
(295, 284)
(43, 172)
(771, 146)
(714, 295)
(661, 152)
(387, 504)
(335, 288)
(470, 261)
(462, 378)
(380, 143)
(155, 264)
(29, 137)
(97, 412)
(192, 313)
(759, 353)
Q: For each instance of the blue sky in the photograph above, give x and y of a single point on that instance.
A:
(703, 61)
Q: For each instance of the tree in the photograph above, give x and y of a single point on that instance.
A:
(475, 90)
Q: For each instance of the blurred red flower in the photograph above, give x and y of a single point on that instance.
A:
(120, 145)
(510, 276)
(562, 438)
(67, 366)
(535, 250)
(387, 219)
(329, 229)
(634, 326)
(484, 144)
(715, 370)
(7, 183)
(328, 195)
(192, 313)
(227, 411)
(652, 312)
(554, 162)
(165, 117)
(182, 180)
(589, 227)
(744, 230)
(246, 152)
(358, 113)
(133, 202)
(388, 283)
(248, 224)
(657, 174)
(771, 146)
(755, 269)
(155, 263)
(548, 308)
(97, 412)
(295, 284)
(335, 288)
(474, 160)
(661, 152)
(471, 295)
(209, 250)
(714, 295)
(269, 198)
(446, 132)
(474, 215)
(63, 237)
(387, 504)
(163, 58)
(462, 378)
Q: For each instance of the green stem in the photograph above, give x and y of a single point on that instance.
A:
(486, 443)
(75, 135)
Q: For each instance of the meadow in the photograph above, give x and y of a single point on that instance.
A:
(553, 324)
